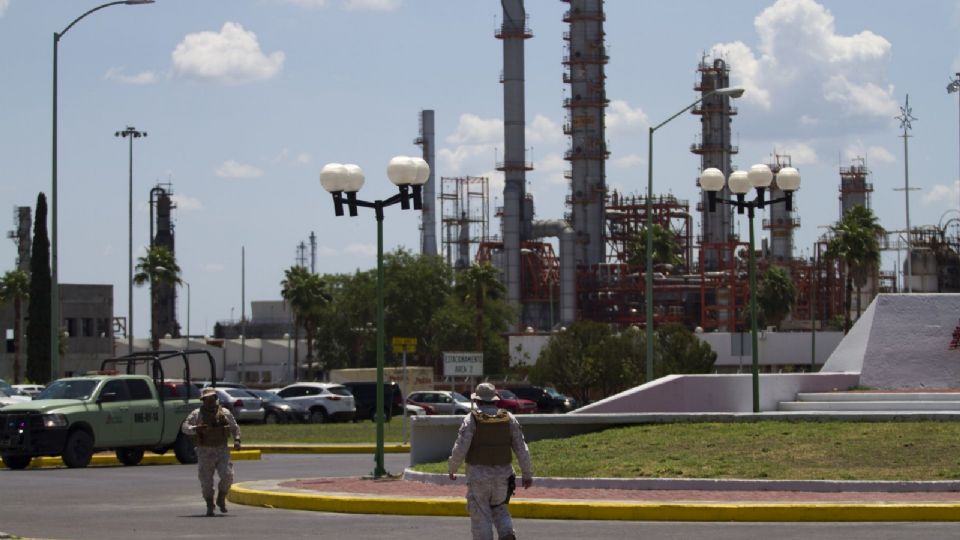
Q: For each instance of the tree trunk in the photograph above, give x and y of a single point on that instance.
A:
(17, 339)
(859, 297)
(847, 304)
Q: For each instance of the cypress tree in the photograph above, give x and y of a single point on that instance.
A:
(38, 325)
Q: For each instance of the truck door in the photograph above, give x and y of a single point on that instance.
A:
(114, 404)
(144, 413)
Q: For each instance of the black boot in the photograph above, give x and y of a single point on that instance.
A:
(222, 501)
(209, 506)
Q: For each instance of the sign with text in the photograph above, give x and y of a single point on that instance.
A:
(404, 344)
(463, 364)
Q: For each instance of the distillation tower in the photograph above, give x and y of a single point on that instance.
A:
(428, 219)
(163, 311)
(585, 59)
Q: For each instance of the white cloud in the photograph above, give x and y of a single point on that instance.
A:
(542, 130)
(801, 153)
(326, 251)
(803, 73)
(185, 202)
(475, 130)
(309, 4)
(550, 168)
(622, 117)
(288, 156)
(234, 169)
(4, 4)
(365, 250)
(232, 56)
(212, 268)
(144, 77)
(371, 5)
(873, 154)
(940, 193)
(628, 161)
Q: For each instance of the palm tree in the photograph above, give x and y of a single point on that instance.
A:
(15, 286)
(856, 242)
(776, 296)
(475, 286)
(665, 248)
(307, 294)
(158, 267)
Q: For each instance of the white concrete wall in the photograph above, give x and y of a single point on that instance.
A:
(903, 341)
(775, 348)
(718, 393)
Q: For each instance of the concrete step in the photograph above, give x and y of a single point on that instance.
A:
(879, 405)
(878, 396)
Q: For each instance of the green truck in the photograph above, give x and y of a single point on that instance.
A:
(129, 406)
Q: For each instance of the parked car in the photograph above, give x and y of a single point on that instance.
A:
(29, 389)
(245, 406)
(6, 399)
(514, 404)
(12, 393)
(547, 400)
(220, 384)
(569, 400)
(365, 399)
(415, 410)
(279, 410)
(441, 401)
(427, 409)
(325, 401)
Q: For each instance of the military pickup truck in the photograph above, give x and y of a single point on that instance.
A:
(129, 406)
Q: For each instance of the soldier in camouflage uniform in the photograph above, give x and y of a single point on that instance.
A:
(209, 426)
(485, 441)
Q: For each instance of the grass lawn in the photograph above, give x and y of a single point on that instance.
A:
(345, 432)
(916, 450)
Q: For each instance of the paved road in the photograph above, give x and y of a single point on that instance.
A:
(163, 502)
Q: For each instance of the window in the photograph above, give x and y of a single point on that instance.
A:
(87, 329)
(293, 391)
(138, 389)
(339, 390)
(118, 388)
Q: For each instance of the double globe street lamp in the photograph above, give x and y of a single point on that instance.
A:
(760, 178)
(343, 181)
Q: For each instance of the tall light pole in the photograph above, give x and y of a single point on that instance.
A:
(54, 285)
(759, 177)
(954, 87)
(906, 123)
(130, 133)
(187, 341)
(730, 92)
(343, 181)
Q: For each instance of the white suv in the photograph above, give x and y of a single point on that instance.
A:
(325, 401)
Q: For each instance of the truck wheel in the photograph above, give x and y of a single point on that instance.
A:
(16, 462)
(318, 416)
(184, 450)
(130, 456)
(78, 450)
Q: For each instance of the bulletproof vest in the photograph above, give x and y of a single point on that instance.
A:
(216, 433)
(491, 441)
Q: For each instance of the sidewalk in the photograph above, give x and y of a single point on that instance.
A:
(406, 497)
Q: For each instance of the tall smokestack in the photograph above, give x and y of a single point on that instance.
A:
(428, 233)
(515, 222)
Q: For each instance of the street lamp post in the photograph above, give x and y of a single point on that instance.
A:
(343, 182)
(131, 133)
(187, 283)
(287, 371)
(759, 177)
(732, 92)
(54, 285)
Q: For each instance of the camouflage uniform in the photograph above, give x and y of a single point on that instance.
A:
(212, 451)
(485, 441)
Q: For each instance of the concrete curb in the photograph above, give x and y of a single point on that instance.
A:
(364, 448)
(105, 460)
(260, 494)
(707, 484)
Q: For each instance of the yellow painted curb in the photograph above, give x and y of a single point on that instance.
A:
(611, 511)
(350, 504)
(329, 448)
(102, 460)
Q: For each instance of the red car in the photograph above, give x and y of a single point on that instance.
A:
(510, 402)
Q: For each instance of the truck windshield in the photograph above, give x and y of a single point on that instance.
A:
(74, 389)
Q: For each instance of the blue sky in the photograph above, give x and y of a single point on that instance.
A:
(245, 100)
